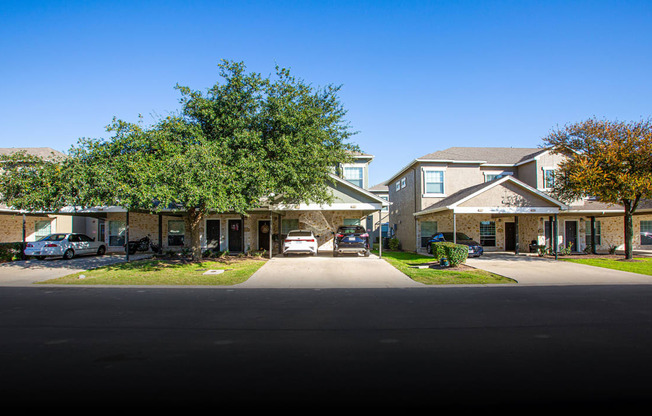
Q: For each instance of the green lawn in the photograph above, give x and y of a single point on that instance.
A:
(165, 272)
(402, 260)
(638, 265)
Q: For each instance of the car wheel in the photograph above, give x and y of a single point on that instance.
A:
(101, 251)
(40, 257)
(68, 254)
(285, 254)
(335, 253)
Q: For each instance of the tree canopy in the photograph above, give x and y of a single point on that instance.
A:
(608, 160)
(245, 140)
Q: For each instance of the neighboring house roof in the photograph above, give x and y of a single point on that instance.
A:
(43, 152)
(455, 200)
(488, 156)
(379, 188)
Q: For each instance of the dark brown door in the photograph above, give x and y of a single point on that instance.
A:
(510, 236)
(263, 235)
(571, 235)
(235, 235)
(213, 234)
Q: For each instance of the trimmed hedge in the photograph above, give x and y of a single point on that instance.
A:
(454, 253)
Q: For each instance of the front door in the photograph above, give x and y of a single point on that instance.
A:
(213, 234)
(235, 236)
(510, 236)
(263, 235)
(571, 235)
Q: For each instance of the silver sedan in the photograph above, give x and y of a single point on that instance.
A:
(66, 245)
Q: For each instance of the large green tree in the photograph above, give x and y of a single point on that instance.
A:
(244, 141)
(608, 160)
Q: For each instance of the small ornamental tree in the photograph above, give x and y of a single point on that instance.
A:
(611, 161)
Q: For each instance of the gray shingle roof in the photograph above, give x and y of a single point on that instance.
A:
(492, 155)
(44, 152)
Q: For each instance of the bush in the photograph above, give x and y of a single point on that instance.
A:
(454, 253)
(393, 243)
(10, 251)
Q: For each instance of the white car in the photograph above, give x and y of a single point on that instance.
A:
(66, 245)
(300, 241)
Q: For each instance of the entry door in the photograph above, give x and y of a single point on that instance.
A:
(510, 236)
(571, 234)
(213, 234)
(235, 235)
(263, 235)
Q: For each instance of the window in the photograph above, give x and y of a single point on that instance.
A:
(386, 198)
(289, 224)
(398, 185)
(351, 221)
(598, 233)
(403, 183)
(428, 229)
(42, 229)
(646, 233)
(353, 175)
(488, 233)
(548, 178)
(491, 176)
(176, 232)
(434, 180)
(116, 233)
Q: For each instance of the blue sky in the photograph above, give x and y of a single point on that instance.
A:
(416, 76)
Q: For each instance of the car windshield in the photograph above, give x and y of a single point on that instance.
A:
(299, 234)
(53, 237)
(351, 230)
(460, 236)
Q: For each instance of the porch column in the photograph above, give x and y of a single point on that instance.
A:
(516, 234)
(555, 237)
(271, 231)
(127, 236)
(593, 235)
(24, 245)
(380, 234)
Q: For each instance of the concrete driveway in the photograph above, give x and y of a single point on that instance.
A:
(326, 271)
(535, 270)
(27, 272)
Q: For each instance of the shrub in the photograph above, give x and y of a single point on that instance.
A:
(454, 253)
(393, 243)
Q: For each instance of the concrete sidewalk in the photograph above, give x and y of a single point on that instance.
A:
(533, 270)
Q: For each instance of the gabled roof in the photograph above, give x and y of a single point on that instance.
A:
(482, 156)
(453, 201)
(43, 152)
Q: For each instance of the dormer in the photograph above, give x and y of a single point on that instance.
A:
(357, 171)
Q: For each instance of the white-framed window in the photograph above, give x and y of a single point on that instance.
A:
(42, 229)
(428, 229)
(176, 232)
(386, 198)
(548, 178)
(487, 233)
(289, 224)
(354, 175)
(398, 185)
(403, 183)
(598, 233)
(495, 175)
(117, 233)
(646, 233)
(433, 181)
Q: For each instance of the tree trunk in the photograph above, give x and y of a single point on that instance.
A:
(630, 208)
(193, 219)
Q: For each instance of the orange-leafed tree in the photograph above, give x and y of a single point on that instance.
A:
(608, 160)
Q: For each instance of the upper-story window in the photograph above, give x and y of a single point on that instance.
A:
(386, 198)
(491, 176)
(434, 181)
(354, 175)
(548, 178)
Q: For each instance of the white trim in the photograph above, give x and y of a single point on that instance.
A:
(543, 177)
(353, 206)
(357, 188)
(504, 210)
(441, 169)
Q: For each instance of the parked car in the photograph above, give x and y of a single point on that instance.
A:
(475, 249)
(300, 241)
(66, 245)
(351, 239)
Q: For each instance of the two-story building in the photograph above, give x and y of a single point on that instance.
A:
(499, 197)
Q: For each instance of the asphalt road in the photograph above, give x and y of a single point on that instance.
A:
(529, 348)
